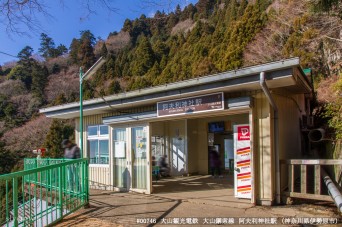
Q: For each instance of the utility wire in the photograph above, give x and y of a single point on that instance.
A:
(1, 52)
(110, 106)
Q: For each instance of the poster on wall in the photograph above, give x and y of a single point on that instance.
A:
(120, 149)
(242, 164)
(140, 147)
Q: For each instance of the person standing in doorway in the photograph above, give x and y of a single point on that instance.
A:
(71, 151)
(215, 163)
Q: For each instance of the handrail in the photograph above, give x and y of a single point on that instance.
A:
(312, 161)
(43, 195)
(304, 178)
(23, 172)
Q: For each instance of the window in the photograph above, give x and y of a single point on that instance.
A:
(98, 144)
(92, 131)
(103, 130)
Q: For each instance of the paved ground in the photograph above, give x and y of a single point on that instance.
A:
(213, 199)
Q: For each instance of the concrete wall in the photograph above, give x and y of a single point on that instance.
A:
(263, 152)
(193, 152)
(289, 115)
(290, 136)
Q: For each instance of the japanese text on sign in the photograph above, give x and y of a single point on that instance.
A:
(191, 105)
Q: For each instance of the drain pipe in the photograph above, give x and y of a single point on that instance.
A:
(333, 190)
(276, 133)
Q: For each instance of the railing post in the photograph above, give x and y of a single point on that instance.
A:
(291, 177)
(86, 182)
(60, 193)
(15, 201)
(317, 179)
(303, 178)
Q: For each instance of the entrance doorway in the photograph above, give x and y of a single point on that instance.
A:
(131, 159)
(188, 143)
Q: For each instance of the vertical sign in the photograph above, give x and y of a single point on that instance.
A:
(243, 170)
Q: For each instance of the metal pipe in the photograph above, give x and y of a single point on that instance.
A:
(333, 190)
(316, 135)
(81, 112)
(276, 132)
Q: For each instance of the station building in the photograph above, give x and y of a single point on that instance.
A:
(252, 117)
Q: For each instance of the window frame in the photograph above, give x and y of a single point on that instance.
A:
(98, 138)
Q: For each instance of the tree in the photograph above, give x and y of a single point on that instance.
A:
(327, 6)
(58, 131)
(82, 51)
(47, 46)
(39, 81)
(60, 50)
(104, 50)
(73, 54)
(25, 55)
(143, 57)
(86, 54)
(19, 72)
(114, 87)
(7, 160)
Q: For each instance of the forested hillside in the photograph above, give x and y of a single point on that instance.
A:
(208, 37)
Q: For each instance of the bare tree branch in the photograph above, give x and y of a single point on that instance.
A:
(20, 17)
(340, 40)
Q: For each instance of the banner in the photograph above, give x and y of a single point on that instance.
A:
(243, 170)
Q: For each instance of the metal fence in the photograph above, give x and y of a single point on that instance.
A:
(305, 178)
(45, 192)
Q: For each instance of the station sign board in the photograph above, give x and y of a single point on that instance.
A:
(197, 104)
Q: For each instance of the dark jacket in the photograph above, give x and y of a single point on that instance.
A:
(214, 159)
(72, 153)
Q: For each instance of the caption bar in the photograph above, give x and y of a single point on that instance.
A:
(241, 221)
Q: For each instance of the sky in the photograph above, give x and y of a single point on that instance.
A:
(69, 18)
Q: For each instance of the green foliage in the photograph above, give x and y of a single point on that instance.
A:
(25, 55)
(216, 42)
(73, 53)
(39, 81)
(9, 113)
(7, 159)
(114, 88)
(298, 42)
(82, 50)
(333, 110)
(330, 6)
(20, 72)
(143, 57)
(104, 50)
(59, 130)
(47, 46)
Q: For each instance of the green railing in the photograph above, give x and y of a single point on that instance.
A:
(45, 192)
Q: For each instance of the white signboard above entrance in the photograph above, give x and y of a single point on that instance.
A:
(191, 105)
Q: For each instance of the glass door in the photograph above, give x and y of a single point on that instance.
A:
(121, 168)
(140, 159)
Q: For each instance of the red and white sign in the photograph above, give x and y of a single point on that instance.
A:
(243, 132)
(39, 151)
(242, 164)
